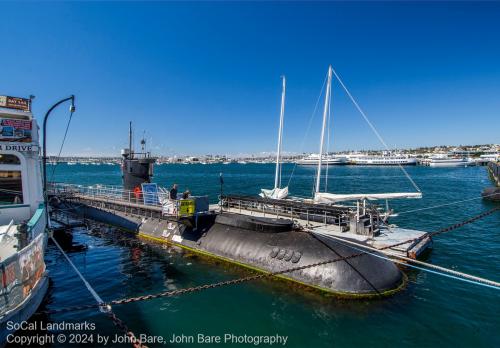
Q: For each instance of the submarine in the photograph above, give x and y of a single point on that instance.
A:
(258, 236)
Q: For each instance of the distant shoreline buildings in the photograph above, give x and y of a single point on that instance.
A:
(477, 153)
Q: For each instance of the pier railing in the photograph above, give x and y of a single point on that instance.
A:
(290, 209)
(158, 201)
(158, 204)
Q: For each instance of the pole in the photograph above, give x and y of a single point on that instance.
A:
(44, 154)
(221, 180)
(130, 139)
(325, 113)
(277, 176)
(44, 158)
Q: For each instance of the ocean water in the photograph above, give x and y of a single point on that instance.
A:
(430, 311)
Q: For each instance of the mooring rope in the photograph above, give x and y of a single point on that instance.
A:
(94, 294)
(373, 127)
(103, 307)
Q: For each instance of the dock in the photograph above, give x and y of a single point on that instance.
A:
(493, 193)
(494, 172)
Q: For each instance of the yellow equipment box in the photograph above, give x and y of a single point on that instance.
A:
(186, 207)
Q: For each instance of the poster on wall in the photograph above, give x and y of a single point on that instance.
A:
(15, 130)
(32, 265)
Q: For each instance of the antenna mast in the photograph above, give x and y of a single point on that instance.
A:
(130, 139)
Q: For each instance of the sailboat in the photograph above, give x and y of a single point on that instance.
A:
(278, 192)
(331, 198)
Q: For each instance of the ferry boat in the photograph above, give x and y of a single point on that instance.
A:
(446, 161)
(490, 157)
(313, 160)
(384, 160)
(23, 217)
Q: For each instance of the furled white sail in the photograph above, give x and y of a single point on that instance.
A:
(277, 193)
(324, 197)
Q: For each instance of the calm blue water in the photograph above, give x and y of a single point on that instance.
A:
(431, 311)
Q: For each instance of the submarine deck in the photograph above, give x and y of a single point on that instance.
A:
(99, 197)
(388, 235)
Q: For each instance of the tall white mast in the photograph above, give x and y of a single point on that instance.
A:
(325, 114)
(277, 176)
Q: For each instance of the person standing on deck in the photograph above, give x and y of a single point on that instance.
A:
(173, 192)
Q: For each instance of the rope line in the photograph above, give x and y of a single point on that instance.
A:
(94, 294)
(373, 128)
(103, 307)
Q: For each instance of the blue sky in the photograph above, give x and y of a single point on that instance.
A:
(204, 78)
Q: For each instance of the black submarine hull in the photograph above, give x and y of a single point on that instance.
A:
(278, 251)
(266, 245)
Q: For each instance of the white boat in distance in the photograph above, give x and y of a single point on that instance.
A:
(445, 161)
(313, 159)
(385, 160)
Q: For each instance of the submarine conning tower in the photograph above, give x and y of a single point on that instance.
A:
(137, 167)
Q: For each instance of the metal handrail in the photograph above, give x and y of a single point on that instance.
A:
(117, 194)
(280, 209)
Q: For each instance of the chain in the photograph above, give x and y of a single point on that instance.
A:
(289, 270)
(136, 343)
(271, 274)
(230, 282)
